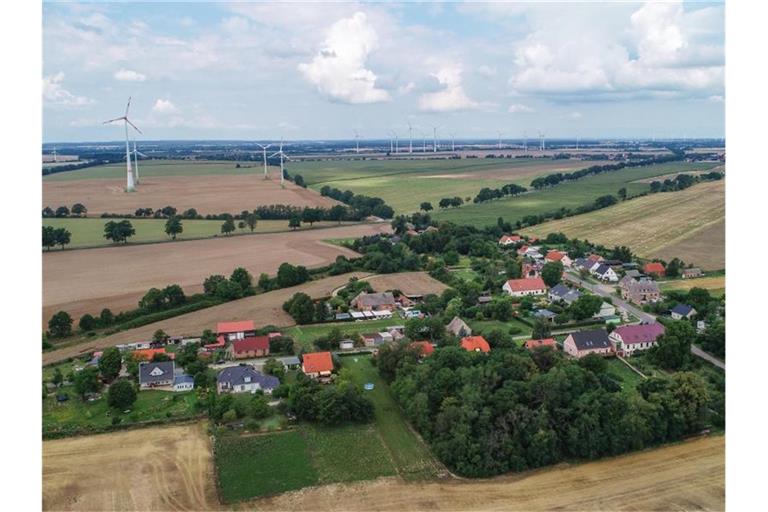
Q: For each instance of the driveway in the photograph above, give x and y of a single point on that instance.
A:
(606, 290)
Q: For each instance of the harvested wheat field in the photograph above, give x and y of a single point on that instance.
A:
(164, 468)
(689, 224)
(206, 193)
(264, 309)
(410, 283)
(86, 281)
(686, 476)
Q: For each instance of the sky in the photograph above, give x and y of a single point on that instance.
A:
(251, 71)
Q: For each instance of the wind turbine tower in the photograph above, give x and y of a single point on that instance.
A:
(264, 154)
(55, 158)
(499, 139)
(434, 139)
(410, 138)
(453, 142)
(357, 142)
(282, 157)
(130, 185)
(136, 154)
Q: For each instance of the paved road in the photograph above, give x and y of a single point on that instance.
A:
(606, 290)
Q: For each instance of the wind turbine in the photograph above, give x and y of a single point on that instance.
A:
(282, 156)
(525, 141)
(130, 184)
(499, 139)
(541, 141)
(136, 154)
(357, 142)
(424, 145)
(410, 137)
(55, 159)
(453, 142)
(434, 138)
(264, 153)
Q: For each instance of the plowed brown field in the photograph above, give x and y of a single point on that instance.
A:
(86, 281)
(207, 194)
(168, 468)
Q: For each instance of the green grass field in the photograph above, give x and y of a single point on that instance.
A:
(306, 334)
(629, 379)
(74, 414)
(569, 195)
(89, 232)
(484, 326)
(349, 453)
(260, 465)
(412, 458)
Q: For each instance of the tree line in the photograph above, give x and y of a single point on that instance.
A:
(77, 210)
(364, 205)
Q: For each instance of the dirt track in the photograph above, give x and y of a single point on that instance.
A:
(168, 468)
(264, 309)
(207, 194)
(687, 476)
(86, 281)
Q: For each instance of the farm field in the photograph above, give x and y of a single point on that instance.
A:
(410, 283)
(117, 277)
(89, 232)
(161, 168)
(684, 476)
(411, 456)
(715, 284)
(569, 195)
(208, 193)
(689, 224)
(404, 184)
(264, 309)
(160, 468)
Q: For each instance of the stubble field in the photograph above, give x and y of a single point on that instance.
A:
(168, 468)
(689, 225)
(117, 277)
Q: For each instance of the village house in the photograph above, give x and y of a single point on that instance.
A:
(236, 330)
(683, 311)
(507, 240)
(525, 286)
(654, 268)
(245, 379)
(640, 292)
(545, 315)
(562, 293)
(475, 344)
(546, 342)
(459, 327)
(154, 375)
(605, 273)
(554, 256)
(374, 302)
(317, 365)
(425, 348)
(583, 343)
(629, 339)
(183, 382)
(531, 269)
(248, 348)
(148, 354)
(691, 273)
(585, 264)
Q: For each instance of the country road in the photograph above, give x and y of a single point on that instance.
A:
(606, 290)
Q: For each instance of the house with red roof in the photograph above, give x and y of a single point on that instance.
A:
(248, 348)
(425, 348)
(149, 353)
(629, 339)
(554, 256)
(525, 286)
(236, 330)
(654, 268)
(317, 365)
(507, 240)
(546, 342)
(220, 343)
(475, 344)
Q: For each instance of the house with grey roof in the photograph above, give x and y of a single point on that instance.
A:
(639, 292)
(683, 311)
(605, 272)
(153, 375)
(374, 301)
(459, 327)
(581, 344)
(562, 293)
(245, 379)
(183, 382)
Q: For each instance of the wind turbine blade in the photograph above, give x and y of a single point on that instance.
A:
(134, 126)
(127, 106)
(113, 120)
(274, 154)
(142, 154)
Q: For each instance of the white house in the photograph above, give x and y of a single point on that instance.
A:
(605, 273)
(245, 379)
(183, 382)
(629, 339)
(525, 286)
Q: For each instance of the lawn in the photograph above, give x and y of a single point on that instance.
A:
(260, 465)
(466, 274)
(348, 453)
(306, 334)
(89, 232)
(411, 456)
(569, 195)
(629, 379)
(485, 326)
(74, 414)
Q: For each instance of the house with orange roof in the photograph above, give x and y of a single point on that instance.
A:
(425, 348)
(654, 268)
(475, 344)
(546, 342)
(148, 354)
(554, 256)
(507, 240)
(525, 286)
(236, 330)
(317, 365)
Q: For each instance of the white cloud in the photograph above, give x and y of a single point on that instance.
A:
(55, 94)
(338, 69)
(519, 108)
(573, 116)
(163, 106)
(127, 75)
(486, 71)
(452, 97)
(716, 98)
